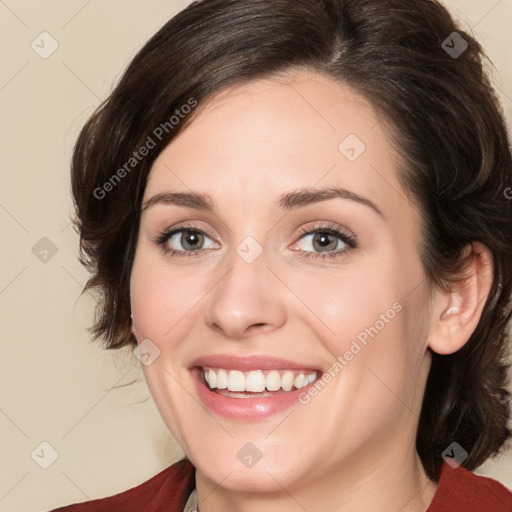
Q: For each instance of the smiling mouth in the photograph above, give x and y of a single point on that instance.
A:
(255, 383)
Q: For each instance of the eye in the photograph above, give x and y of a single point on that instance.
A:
(327, 240)
(324, 241)
(184, 241)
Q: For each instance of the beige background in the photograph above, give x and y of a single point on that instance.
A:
(55, 386)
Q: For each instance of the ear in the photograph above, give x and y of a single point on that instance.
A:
(457, 313)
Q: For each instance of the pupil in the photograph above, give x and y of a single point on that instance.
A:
(191, 238)
(323, 240)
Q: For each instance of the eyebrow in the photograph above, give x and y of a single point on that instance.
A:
(288, 201)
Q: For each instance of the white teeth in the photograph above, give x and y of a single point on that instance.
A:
(257, 381)
(310, 378)
(222, 379)
(273, 380)
(299, 381)
(236, 381)
(287, 380)
(212, 378)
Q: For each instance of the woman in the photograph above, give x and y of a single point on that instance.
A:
(298, 213)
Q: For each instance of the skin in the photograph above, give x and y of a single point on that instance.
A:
(352, 447)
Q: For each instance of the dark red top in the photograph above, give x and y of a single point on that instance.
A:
(459, 490)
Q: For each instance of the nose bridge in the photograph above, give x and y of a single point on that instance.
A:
(243, 296)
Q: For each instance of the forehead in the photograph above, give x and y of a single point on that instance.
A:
(301, 130)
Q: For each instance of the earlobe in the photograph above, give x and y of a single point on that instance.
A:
(457, 313)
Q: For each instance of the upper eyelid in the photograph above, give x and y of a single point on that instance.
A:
(178, 229)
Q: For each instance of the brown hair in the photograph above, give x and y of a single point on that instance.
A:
(445, 121)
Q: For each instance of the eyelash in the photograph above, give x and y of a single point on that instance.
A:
(350, 240)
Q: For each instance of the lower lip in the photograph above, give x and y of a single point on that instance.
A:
(249, 409)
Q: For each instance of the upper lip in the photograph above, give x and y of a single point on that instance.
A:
(248, 363)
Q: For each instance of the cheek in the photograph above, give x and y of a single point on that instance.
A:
(162, 300)
(372, 327)
(350, 305)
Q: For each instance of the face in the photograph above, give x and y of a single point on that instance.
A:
(308, 311)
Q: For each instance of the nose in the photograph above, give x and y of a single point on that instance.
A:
(246, 300)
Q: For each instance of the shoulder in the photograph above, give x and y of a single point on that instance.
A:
(460, 489)
(168, 490)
